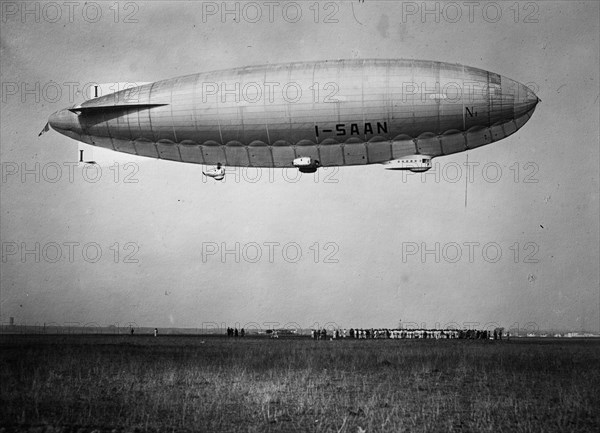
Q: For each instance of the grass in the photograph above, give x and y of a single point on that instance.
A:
(123, 383)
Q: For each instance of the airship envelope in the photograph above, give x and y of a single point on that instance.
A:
(400, 113)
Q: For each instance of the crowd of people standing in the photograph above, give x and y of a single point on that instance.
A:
(234, 332)
(356, 333)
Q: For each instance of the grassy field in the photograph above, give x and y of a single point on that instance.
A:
(124, 383)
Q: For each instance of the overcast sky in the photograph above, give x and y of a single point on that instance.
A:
(355, 246)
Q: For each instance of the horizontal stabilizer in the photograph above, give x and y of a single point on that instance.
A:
(94, 109)
(46, 129)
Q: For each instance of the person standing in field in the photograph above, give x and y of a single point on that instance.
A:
(156, 332)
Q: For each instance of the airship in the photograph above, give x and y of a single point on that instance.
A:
(398, 113)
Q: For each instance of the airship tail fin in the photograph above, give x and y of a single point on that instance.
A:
(46, 128)
(95, 109)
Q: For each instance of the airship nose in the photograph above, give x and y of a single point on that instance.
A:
(525, 99)
(64, 120)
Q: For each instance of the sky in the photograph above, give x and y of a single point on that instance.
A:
(512, 241)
